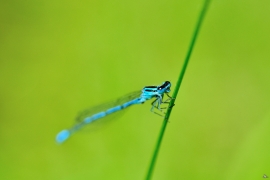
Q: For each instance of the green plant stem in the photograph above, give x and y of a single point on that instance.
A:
(177, 87)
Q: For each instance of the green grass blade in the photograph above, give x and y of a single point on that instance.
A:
(177, 87)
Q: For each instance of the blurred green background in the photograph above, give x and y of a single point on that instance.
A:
(59, 57)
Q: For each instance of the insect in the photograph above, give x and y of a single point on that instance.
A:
(90, 115)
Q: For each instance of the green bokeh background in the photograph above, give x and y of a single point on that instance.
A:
(58, 57)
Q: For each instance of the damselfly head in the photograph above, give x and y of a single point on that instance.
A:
(165, 87)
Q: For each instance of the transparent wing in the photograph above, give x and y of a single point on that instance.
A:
(66, 133)
(105, 106)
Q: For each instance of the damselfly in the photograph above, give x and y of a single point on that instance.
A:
(101, 111)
